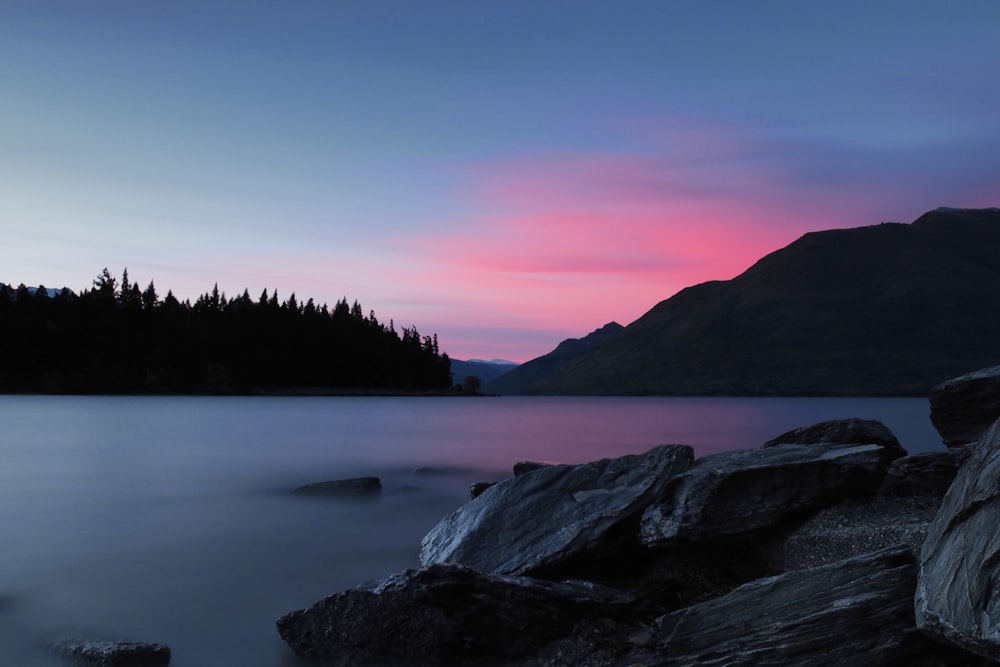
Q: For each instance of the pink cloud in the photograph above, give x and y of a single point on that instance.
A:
(567, 242)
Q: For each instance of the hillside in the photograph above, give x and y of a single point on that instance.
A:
(521, 378)
(889, 309)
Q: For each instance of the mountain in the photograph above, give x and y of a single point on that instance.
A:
(486, 371)
(883, 310)
(520, 379)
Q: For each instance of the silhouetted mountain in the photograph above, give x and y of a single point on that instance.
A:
(521, 378)
(486, 371)
(890, 309)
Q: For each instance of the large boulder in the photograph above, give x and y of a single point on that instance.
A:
(927, 475)
(546, 516)
(447, 614)
(854, 612)
(103, 653)
(964, 407)
(957, 592)
(736, 492)
(852, 431)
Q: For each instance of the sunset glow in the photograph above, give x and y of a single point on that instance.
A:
(506, 176)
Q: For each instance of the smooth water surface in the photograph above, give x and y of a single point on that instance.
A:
(171, 519)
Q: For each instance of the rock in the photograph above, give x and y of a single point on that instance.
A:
(963, 408)
(554, 513)
(476, 489)
(843, 432)
(522, 467)
(356, 487)
(927, 475)
(853, 612)
(446, 614)
(736, 492)
(97, 653)
(957, 598)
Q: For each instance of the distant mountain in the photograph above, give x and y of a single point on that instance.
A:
(889, 309)
(521, 379)
(486, 371)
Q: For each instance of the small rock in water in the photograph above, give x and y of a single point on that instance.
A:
(522, 467)
(98, 653)
(356, 487)
(477, 489)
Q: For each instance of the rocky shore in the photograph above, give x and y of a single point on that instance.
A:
(827, 545)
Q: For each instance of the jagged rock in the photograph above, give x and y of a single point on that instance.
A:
(446, 614)
(962, 408)
(926, 475)
(522, 467)
(853, 612)
(477, 488)
(553, 513)
(356, 487)
(739, 491)
(97, 653)
(956, 598)
(852, 431)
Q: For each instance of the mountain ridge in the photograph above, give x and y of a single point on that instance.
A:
(882, 310)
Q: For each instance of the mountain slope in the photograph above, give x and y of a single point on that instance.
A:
(889, 309)
(486, 371)
(521, 378)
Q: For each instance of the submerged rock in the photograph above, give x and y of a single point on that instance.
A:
(356, 487)
(736, 492)
(963, 408)
(551, 514)
(852, 431)
(853, 612)
(446, 615)
(956, 596)
(97, 653)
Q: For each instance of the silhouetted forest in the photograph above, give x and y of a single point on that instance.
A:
(119, 338)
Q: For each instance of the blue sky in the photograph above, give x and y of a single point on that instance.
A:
(504, 174)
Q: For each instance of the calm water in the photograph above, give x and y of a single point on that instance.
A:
(169, 519)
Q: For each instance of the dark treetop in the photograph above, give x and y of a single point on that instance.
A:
(118, 338)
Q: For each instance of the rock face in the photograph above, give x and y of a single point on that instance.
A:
(962, 408)
(344, 488)
(844, 432)
(957, 596)
(857, 611)
(735, 492)
(546, 516)
(445, 614)
(91, 653)
(926, 475)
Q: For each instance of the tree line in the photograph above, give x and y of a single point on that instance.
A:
(119, 338)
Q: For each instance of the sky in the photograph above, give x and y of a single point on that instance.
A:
(503, 174)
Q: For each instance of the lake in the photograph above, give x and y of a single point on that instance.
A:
(171, 519)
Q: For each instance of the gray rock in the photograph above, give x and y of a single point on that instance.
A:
(343, 488)
(99, 653)
(855, 612)
(446, 614)
(553, 513)
(736, 492)
(956, 597)
(964, 407)
(927, 475)
(852, 431)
